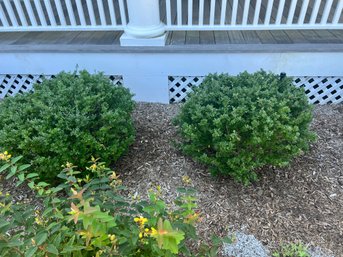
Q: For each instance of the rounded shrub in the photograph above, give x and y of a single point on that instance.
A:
(236, 124)
(68, 119)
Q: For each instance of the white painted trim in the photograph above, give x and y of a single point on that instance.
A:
(146, 74)
(128, 40)
(252, 27)
(62, 28)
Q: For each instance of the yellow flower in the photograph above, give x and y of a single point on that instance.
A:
(153, 232)
(93, 167)
(114, 176)
(112, 237)
(186, 180)
(140, 235)
(5, 156)
(141, 220)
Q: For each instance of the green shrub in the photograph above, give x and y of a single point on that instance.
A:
(68, 118)
(93, 217)
(236, 124)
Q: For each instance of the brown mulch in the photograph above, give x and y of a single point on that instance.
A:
(303, 202)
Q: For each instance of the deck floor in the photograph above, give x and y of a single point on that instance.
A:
(322, 40)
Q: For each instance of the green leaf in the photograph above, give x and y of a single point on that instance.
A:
(4, 223)
(24, 167)
(168, 238)
(15, 159)
(12, 172)
(32, 175)
(11, 243)
(52, 249)
(72, 248)
(41, 238)
(4, 167)
(31, 184)
(31, 251)
(21, 177)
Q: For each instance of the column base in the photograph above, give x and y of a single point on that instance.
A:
(128, 40)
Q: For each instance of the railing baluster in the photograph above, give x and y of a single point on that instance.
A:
(112, 13)
(122, 12)
(30, 13)
(40, 12)
(212, 12)
(60, 13)
(190, 12)
(315, 11)
(201, 12)
(234, 12)
(168, 12)
(269, 12)
(257, 12)
(80, 12)
(303, 12)
(338, 12)
(326, 12)
(280, 12)
(71, 13)
(223, 12)
(91, 12)
(21, 13)
(10, 13)
(101, 12)
(179, 12)
(50, 12)
(246, 12)
(3, 17)
(292, 12)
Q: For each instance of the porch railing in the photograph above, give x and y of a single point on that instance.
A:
(253, 14)
(151, 18)
(45, 15)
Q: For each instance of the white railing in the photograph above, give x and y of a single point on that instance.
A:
(54, 15)
(144, 19)
(253, 14)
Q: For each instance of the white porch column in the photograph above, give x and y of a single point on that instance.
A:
(145, 27)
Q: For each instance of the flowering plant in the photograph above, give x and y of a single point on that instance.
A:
(91, 217)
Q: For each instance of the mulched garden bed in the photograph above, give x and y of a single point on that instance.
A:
(303, 202)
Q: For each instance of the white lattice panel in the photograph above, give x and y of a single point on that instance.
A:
(320, 90)
(180, 86)
(11, 85)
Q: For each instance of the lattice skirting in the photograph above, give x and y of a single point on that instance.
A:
(320, 90)
(11, 84)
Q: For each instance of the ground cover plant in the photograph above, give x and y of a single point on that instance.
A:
(90, 217)
(69, 118)
(236, 124)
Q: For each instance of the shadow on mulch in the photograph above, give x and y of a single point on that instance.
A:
(303, 202)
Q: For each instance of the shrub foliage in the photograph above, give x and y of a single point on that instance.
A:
(69, 118)
(236, 124)
(92, 217)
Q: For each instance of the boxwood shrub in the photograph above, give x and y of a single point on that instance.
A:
(237, 124)
(68, 119)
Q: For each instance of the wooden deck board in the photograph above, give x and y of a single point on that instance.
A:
(177, 41)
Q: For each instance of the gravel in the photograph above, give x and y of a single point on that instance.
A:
(245, 246)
